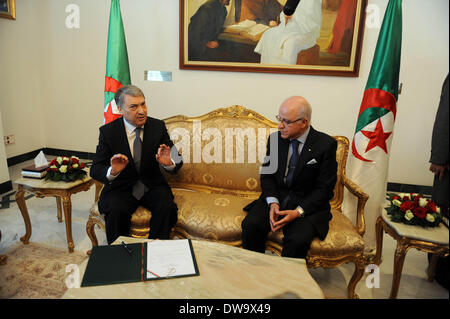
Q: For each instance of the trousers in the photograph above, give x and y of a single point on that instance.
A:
(118, 206)
(298, 234)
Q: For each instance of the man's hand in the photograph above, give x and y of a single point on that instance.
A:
(163, 156)
(287, 18)
(273, 214)
(212, 44)
(118, 163)
(438, 169)
(289, 215)
(273, 23)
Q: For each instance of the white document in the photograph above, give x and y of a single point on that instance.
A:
(170, 258)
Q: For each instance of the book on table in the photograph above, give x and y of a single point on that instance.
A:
(123, 263)
(34, 171)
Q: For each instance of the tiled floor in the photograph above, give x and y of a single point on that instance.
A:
(46, 229)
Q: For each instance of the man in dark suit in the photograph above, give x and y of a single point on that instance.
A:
(439, 166)
(295, 196)
(204, 28)
(129, 155)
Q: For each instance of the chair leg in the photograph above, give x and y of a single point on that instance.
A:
(357, 275)
(379, 239)
(90, 229)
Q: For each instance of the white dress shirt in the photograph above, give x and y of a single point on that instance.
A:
(131, 135)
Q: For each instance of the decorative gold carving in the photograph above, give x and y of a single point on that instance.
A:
(42, 190)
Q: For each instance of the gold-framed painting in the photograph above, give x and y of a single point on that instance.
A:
(322, 37)
(7, 9)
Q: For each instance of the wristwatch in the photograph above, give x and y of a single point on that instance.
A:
(301, 212)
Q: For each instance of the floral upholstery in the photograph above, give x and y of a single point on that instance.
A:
(222, 153)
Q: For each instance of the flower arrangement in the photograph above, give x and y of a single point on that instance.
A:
(413, 209)
(67, 169)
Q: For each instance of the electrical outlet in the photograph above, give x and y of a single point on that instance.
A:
(10, 139)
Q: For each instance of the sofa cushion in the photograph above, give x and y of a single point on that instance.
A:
(215, 217)
(342, 239)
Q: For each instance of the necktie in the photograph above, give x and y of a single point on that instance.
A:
(137, 148)
(138, 187)
(292, 162)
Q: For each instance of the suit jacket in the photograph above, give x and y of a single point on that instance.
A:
(315, 176)
(113, 140)
(440, 147)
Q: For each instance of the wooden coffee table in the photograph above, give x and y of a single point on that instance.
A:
(226, 272)
(61, 190)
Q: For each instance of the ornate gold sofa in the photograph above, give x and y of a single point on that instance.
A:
(222, 152)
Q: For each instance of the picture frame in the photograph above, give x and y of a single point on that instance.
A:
(331, 44)
(8, 9)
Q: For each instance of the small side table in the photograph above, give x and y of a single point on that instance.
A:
(2, 257)
(61, 190)
(431, 240)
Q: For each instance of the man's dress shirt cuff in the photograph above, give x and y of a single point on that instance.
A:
(109, 176)
(271, 200)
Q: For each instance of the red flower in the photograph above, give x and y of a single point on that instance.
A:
(54, 162)
(420, 212)
(407, 205)
(74, 160)
(395, 197)
(431, 206)
(82, 165)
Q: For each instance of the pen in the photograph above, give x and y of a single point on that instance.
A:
(126, 248)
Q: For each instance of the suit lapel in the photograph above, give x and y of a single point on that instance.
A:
(122, 140)
(284, 148)
(307, 150)
(147, 144)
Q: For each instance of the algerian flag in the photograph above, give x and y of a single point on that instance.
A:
(369, 157)
(117, 68)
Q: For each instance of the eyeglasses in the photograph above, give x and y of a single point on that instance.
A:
(286, 122)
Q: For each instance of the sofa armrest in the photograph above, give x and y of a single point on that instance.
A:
(362, 199)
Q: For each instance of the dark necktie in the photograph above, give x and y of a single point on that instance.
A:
(292, 162)
(138, 187)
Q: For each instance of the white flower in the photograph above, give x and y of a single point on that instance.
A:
(409, 215)
(430, 218)
(63, 169)
(402, 195)
(75, 165)
(396, 202)
(438, 209)
(423, 202)
(65, 158)
(53, 166)
(59, 160)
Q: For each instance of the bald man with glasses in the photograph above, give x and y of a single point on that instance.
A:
(295, 198)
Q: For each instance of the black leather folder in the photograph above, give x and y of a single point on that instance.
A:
(116, 264)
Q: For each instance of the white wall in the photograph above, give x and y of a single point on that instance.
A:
(51, 78)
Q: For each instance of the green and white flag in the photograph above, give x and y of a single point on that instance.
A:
(369, 157)
(117, 67)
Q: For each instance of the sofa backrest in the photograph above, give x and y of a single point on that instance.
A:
(223, 151)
